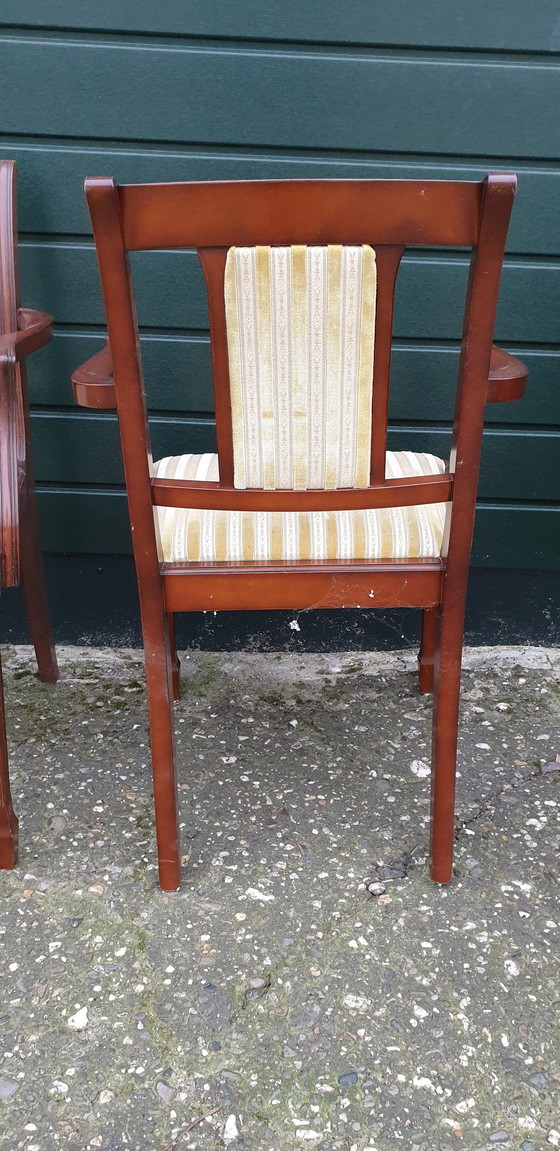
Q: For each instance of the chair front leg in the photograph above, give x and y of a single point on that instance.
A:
(160, 708)
(8, 821)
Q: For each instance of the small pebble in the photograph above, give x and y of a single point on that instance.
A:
(8, 1087)
(499, 1137)
(348, 1080)
(165, 1092)
(376, 888)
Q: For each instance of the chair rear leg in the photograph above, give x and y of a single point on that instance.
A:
(34, 588)
(8, 821)
(426, 655)
(160, 708)
(175, 662)
(444, 745)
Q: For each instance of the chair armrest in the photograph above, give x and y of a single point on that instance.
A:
(35, 330)
(93, 382)
(506, 379)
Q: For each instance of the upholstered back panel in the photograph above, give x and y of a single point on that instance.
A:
(300, 333)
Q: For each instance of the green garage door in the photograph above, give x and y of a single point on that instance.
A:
(217, 90)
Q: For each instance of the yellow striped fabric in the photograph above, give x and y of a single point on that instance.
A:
(379, 533)
(300, 332)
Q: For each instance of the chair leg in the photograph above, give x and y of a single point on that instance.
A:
(447, 684)
(160, 707)
(8, 821)
(175, 663)
(34, 589)
(426, 655)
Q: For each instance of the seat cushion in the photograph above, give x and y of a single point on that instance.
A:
(371, 534)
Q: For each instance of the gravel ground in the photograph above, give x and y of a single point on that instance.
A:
(309, 985)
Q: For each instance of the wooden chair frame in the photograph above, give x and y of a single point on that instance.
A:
(21, 332)
(389, 215)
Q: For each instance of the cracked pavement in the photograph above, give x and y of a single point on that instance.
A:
(309, 985)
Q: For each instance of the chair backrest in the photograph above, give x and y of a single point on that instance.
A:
(12, 431)
(254, 237)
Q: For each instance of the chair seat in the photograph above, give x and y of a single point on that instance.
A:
(371, 534)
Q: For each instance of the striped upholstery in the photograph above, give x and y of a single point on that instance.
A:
(386, 533)
(300, 333)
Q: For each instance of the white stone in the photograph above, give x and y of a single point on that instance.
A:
(511, 967)
(59, 1087)
(78, 1021)
(230, 1130)
(261, 896)
(419, 768)
(356, 1002)
(423, 1081)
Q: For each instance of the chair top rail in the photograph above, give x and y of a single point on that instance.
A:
(222, 214)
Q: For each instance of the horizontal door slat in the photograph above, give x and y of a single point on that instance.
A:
(169, 288)
(84, 448)
(535, 225)
(284, 97)
(178, 377)
(501, 25)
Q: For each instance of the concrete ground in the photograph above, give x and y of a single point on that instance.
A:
(309, 985)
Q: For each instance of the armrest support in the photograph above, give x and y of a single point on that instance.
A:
(35, 329)
(93, 382)
(507, 378)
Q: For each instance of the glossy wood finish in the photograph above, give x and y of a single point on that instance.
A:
(21, 332)
(93, 383)
(432, 213)
(303, 585)
(389, 215)
(507, 378)
(389, 494)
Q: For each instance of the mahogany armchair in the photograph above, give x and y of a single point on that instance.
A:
(302, 505)
(21, 332)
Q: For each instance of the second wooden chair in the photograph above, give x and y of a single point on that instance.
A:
(21, 331)
(302, 505)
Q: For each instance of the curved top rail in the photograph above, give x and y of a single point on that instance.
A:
(283, 212)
